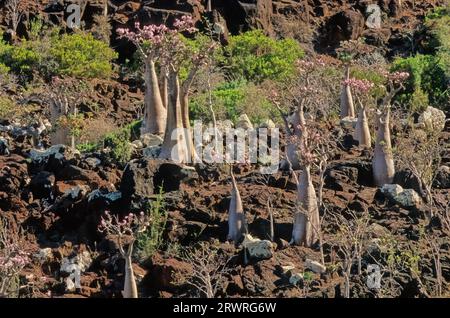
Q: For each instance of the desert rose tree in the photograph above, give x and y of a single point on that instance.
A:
(383, 161)
(150, 41)
(306, 230)
(347, 52)
(236, 216)
(167, 46)
(122, 231)
(347, 104)
(303, 94)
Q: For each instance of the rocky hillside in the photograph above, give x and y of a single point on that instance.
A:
(60, 195)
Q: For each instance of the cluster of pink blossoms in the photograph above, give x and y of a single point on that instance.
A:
(155, 34)
(152, 33)
(308, 143)
(397, 77)
(309, 65)
(361, 85)
(186, 23)
(306, 90)
(14, 262)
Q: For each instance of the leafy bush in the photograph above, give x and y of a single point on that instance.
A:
(375, 77)
(427, 78)
(7, 108)
(151, 240)
(81, 55)
(256, 57)
(230, 100)
(438, 22)
(4, 70)
(78, 55)
(21, 58)
(119, 141)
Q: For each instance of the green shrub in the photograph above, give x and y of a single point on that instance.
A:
(7, 108)
(427, 78)
(22, 58)
(230, 100)
(77, 55)
(438, 25)
(151, 240)
(377, 78)
(87, 147)
(256, 57)
(119, 141)
(4, 70)
(81, 55)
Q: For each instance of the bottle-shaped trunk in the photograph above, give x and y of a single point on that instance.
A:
(187, 124)
(298, 124)
(164, 80)
(155, 114)
(299, 120)
(383, 162)
(306, 220)
(58, 108)
(347, 105)
(174, 146)
(236, 216)
(362, 131)
(130, 287)
(292, 156)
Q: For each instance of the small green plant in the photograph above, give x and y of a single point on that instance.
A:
(119, 141)
(150, 241)
(87, 147)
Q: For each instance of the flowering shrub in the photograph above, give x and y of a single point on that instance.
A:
(130, 225)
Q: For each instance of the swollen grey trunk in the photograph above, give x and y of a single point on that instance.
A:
(306, 219)
(236, 216)
(174, 146)
(347, 105)
(362, 131)
(59, 106)
(164, 86)
(299, 123)
(130, 287)
(191, 153)
(155, 114)
(383, 162)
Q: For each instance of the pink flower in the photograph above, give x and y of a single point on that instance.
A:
(364, 86)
